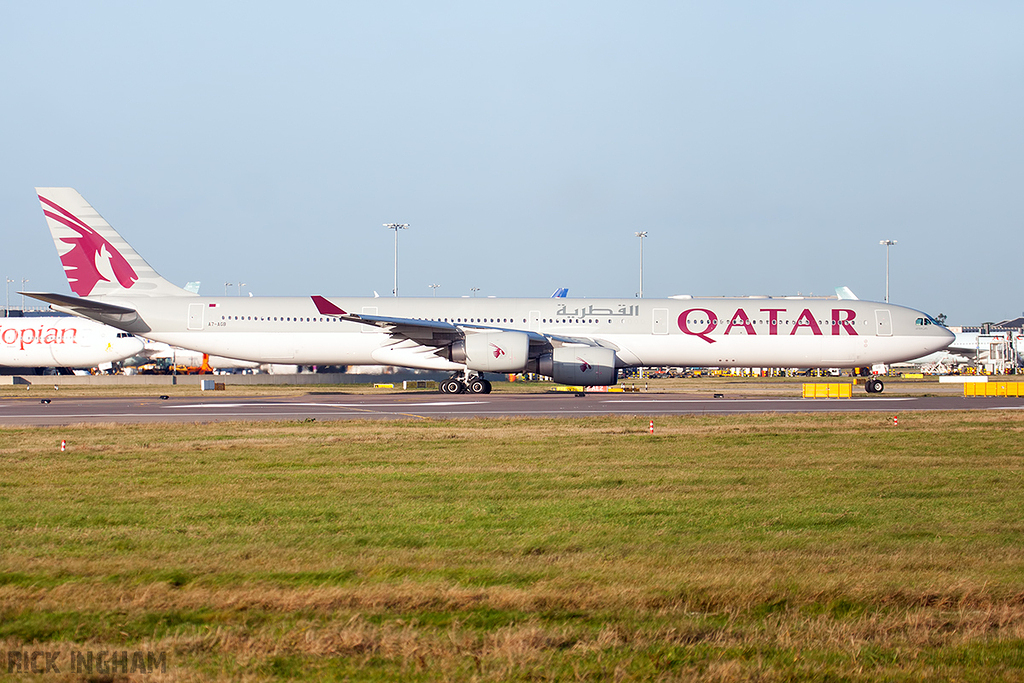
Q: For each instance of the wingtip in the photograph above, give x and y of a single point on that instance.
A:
(326, 307)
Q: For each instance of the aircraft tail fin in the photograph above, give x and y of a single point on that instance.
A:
(97, 260)
(845, 293)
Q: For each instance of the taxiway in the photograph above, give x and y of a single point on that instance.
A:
(329, 406)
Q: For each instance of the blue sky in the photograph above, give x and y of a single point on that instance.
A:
(765, 147)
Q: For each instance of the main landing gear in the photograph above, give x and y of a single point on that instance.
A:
(874, 386)
(465, 384)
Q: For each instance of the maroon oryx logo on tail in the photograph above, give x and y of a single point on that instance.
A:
(91, 257)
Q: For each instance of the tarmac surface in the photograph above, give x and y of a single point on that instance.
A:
(55, 410)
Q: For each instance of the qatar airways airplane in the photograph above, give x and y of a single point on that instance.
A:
(573, 341)
(63, 342)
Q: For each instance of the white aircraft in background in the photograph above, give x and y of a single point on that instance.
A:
(573, 341)
(154, 351)
(63, 342)
(995, 351)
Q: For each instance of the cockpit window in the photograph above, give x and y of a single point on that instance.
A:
(927, 320)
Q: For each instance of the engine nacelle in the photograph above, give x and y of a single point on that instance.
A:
(584, 365)
(493, 351)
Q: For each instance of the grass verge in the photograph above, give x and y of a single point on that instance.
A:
(771, 547)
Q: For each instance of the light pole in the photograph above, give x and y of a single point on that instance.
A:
(396, 227)
(434, 287)
(226, 285)
(887, 244)
(240, 285)
(7, 308)
(23, 281)
(474, 290)
(641, 235)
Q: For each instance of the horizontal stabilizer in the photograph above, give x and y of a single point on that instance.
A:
(87, 308)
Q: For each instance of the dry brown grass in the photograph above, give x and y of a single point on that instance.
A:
(724, 548)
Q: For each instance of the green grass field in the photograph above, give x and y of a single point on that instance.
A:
(768, 548)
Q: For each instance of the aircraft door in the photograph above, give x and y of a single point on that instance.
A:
(883, 323)
(74, 343)
(195, 316)
(369, 329)
(659, 321)
(83, 337)
(534, 320)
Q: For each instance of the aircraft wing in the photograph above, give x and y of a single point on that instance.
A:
(436, 332)
(426, 332)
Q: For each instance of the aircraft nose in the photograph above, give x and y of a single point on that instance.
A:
(943, 340)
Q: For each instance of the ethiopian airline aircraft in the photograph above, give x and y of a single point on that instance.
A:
(62, 342)
(573, 341)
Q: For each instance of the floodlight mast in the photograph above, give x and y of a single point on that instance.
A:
(887, 244)
(641, 235)
(396, 227)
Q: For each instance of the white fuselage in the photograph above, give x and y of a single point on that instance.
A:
(62, 341)
(574, 341)
(743, 332)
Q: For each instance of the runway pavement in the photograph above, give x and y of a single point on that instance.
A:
(63, 411)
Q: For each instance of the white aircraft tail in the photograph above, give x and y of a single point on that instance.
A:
(846, 293)
(97, 261)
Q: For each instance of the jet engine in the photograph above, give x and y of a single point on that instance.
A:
(492, 351)
(584, 365)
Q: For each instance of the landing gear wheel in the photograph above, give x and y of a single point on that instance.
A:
(452, 386)
(477, 386)
(874, 386)
(487, 386)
